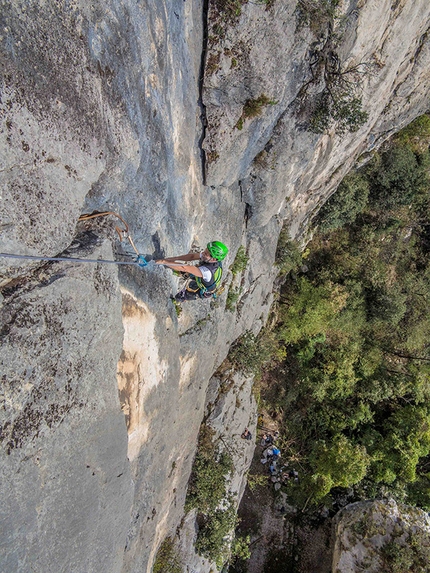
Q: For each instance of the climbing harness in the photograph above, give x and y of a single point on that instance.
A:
(195, 285)
(139, 261)
(207, 291)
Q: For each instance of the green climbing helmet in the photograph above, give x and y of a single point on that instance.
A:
(217, 250)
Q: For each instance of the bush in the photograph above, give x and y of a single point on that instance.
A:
(240, 548)
(316, 13)
(167, 559)
(214, 529)
(207, 492)
(208, 481)
(232, 298)
(254, 107)
(252, 354)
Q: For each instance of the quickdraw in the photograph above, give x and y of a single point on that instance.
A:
(122, 233)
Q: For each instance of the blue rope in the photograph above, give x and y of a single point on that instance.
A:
(140, 262)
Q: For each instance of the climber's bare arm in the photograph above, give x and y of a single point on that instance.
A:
(191, 269)
(187, 257)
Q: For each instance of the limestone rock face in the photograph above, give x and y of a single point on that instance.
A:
(363, 528)
(104, 107)
(66, 484)
(230, 408)
(282, 166)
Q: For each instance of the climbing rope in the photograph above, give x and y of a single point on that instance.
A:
(140, 261)
(122, 233)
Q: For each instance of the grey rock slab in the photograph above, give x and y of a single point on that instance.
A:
(66, 484)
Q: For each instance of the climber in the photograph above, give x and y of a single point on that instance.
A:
(207, 274)
(246, 435)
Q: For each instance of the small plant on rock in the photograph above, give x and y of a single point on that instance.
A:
(167, 559)
(232, 298)
(254, 108)
(240, 261)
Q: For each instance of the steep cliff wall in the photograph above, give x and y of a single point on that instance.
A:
(101, 109)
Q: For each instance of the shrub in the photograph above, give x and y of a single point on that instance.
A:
(240, 548)
(213, 535)
(254, 107)
(316, 13)
(208, 481)
(167, 559)
(232, 298)
(252, 354)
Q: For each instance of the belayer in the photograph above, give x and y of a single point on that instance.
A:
(206, 275)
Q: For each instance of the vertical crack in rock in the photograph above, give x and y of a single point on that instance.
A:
(201, 78)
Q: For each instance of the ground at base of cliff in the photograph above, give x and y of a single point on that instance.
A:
(283, 540)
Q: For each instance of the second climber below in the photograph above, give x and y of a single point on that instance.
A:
(206, 276)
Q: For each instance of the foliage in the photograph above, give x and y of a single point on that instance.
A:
(207, 492)
(399, 178)
(256, 480)
(339, 463)
(240, 548)
(252, 354)
(167, 559)
(214, 529)
(245, 354)
(254, 108)
(232, 298)
(288, 256)
(354, 384)
(240, 261)
(416, 135)
(339, 101)
(317, 13)
(207, 486)
(411, 554)
(343, 207)
(178, 307)
(418, 492)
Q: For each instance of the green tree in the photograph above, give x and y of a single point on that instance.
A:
(349, 200)
(399, 177)
(339, 463)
